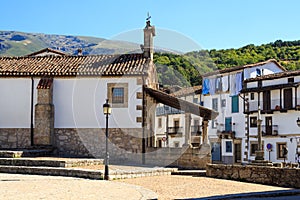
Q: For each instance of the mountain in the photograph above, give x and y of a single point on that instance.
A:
(13, 43)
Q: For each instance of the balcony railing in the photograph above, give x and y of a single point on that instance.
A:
(196, 130)
(175, 130)
(274, 106)
(269, 130)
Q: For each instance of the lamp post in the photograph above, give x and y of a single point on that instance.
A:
(106, 112)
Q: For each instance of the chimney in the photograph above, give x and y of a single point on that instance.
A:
(79, 52)
(149, 33)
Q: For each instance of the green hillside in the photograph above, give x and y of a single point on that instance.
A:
(192, 64)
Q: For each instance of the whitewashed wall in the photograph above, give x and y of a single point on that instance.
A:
(15, 102)
(78, 103)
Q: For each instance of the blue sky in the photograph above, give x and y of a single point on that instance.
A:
(211, 24)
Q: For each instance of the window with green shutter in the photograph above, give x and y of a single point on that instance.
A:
(235, 104)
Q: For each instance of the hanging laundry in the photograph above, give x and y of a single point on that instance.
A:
(219, 84)
(212, 86)
(239, 83)
(232, 85)
(225, 83)
(205, 86)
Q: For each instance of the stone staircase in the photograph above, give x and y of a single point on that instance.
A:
(51, 166)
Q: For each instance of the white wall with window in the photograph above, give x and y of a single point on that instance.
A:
(78, 102)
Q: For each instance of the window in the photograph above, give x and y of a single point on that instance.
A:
(253, 122)
(219, 84)
(159, 122)
(228, 146)
(223, 103)
(291, 80)
(259, 83)
(252, 96)
(195, 100)
(235, 104)
(280, 150)
(213, 124)
(215, 104)
(117, 94)
(253, 148)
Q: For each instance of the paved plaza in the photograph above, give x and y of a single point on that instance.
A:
(15, 186)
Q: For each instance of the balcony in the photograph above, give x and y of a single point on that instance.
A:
(226, 134)
(269, 130)
(274, 105)
(175, 131)
(196, 130)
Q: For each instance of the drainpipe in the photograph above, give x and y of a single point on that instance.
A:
(31, 113)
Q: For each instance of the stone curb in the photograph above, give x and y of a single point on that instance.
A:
(253, 195)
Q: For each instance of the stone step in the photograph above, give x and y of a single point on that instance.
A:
(190, 172)
(50, 162)
(53, 171)
(18, 153)
(87, 173)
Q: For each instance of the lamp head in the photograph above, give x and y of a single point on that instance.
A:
(106, 108)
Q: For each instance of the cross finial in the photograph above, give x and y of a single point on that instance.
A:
(148, 17)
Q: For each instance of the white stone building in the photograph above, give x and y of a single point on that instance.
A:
(228, 134)
(50, 99)
(170, 122)
(278, 97)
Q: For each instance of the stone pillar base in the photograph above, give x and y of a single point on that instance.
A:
(259, 155)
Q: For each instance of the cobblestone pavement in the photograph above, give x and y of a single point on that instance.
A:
(25, 187)
(15, 186)
(185, 187)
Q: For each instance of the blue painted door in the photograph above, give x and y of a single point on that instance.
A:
(228, 124)
(216, 151)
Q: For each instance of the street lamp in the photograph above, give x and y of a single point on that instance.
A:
(106, 112)
(298, 121)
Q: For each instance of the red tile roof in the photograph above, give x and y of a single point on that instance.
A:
(92, 65)
(48, 50)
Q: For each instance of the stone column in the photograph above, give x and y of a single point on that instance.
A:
(187, 129)
(44, 113)
(204, 131)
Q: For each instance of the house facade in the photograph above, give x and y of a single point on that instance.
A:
(221, 90)
(277, 98)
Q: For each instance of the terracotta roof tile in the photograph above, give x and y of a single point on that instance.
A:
(92, 65)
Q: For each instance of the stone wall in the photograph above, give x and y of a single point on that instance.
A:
(286, 177)
(125, 145)
(184, 158)
(14, 138)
